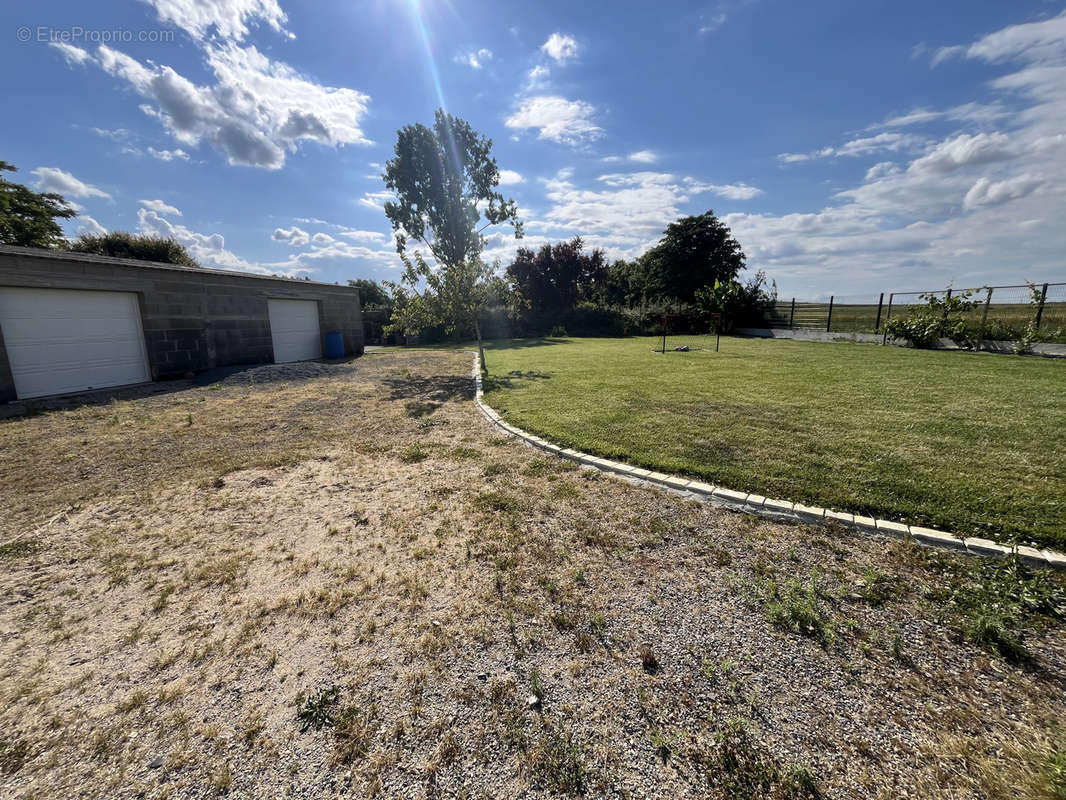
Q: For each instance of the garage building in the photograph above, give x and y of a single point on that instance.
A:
(71, 322)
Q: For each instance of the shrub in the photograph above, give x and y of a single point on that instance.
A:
(736, 302)
(120, 244)
(940, 318)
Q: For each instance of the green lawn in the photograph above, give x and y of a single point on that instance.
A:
(972, 443)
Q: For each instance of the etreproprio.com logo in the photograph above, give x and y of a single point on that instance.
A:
(79, 35)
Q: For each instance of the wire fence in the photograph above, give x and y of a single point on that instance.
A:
(1001, 312)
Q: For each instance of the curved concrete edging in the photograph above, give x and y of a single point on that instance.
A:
(774, 509)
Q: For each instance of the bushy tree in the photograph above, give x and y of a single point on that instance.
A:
(444, 180)
(694, 252)
(736, 302)
(121, 244)
(553, 279)
(29, 218)
(372, 294)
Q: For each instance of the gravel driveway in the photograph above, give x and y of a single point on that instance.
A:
(324, 580)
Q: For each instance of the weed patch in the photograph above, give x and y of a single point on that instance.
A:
(798, 608)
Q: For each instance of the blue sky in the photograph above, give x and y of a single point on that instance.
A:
(852, 147)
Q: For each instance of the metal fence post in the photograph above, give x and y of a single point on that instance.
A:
(792, 313)
(1040, 308)
(984, 318)
(880, 302)
(829, 316)
(888, 317)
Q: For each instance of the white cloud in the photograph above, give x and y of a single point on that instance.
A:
(320, 239)
(475, 59)
(508, 177)
(208, 249)
(375, 200)
(986, 192)
(734, 191)
(161, 207)
(297, 237)
(116, 135)
(89, 226)
(713, 22)
(168, 155)
(862, 146)
(644, 157)
(256, 111)
(963, 150)
(363, 236)
(71, 54)
(537, 77)
(1035, 42)
(53, 179)
(560, 47)
(557, 119)
(226, 19)
(967, 112)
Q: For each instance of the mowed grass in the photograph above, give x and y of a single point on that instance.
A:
(971, 443)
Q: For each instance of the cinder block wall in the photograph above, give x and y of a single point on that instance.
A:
(193, 319)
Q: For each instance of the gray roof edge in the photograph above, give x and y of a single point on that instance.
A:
(61, 255)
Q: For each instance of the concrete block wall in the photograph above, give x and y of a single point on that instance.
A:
(193, 319)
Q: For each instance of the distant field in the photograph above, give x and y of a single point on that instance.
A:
(966, 442)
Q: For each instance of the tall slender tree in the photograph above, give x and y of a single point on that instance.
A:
(444, 180)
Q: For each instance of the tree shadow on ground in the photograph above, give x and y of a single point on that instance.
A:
(425, 394)
(508, 381)
(515, 344)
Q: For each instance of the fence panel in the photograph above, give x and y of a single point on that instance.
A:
(1003, 312)
(1053, 318)
(857, 313)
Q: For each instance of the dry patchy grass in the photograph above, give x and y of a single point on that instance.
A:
(280, 599)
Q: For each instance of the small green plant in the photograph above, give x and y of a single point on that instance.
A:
(739, 768)
(798, 609)
(494, 468)
(498, 502)
(19, 548)
(999, 600)
(558, 332)
(663, 744)
(317, 711)
(1055, 772)
(414, 454)
(555, 762)
(354, 730)
(536, 684)
(464, 453)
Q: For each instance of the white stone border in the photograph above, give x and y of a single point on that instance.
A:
(775, 509)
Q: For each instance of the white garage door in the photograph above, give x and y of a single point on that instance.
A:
(63, 340)
(295, 331)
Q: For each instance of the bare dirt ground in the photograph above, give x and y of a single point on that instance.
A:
(336, 580)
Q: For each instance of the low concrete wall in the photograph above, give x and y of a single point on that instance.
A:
(193, 319)
(799, 334)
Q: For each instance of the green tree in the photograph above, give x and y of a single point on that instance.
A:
(554, 278)
(694, 252)
(28, 218)
(120, 244)
(444, 180)
(372, 294)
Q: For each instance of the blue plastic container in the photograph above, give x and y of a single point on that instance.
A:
(334, 344)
